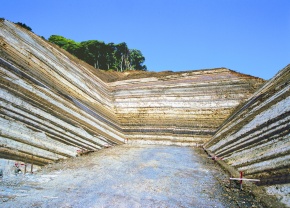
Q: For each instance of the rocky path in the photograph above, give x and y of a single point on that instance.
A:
(127, 176)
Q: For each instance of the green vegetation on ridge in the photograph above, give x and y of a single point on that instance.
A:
(104, 56)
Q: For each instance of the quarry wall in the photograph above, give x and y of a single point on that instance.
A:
(54, 105)
(184, 108)
(255, 139)
(51, 106)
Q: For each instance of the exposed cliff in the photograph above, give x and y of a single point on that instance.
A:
(255, 139)
(185, 107)
(53, 105)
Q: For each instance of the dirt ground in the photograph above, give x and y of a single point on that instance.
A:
(127, 176)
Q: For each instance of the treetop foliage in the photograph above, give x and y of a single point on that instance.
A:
(104, 56)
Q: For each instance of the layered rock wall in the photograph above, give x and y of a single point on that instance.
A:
(255, 139)
(53, 105)
(184, 108)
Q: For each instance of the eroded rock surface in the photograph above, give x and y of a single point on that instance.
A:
(256, 137)
(53, 105)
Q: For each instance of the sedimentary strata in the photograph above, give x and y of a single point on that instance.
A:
(54, 105)
(255, 139)
(184, 108)
(51, 106)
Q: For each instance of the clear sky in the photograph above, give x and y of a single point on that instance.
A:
(248, 36)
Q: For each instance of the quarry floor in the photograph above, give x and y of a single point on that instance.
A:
(127, 176)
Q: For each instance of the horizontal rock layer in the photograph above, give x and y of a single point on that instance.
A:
(53, 105)
(186, 107)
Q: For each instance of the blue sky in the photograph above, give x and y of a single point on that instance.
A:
(248, 36)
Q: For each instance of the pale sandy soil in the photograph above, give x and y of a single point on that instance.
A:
(127, 176)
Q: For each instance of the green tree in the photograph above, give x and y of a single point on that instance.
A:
(96, 52)
(102, 56)
(122, 56)
(111, 60)
(137, 59)
(63, 42)
(69, 45)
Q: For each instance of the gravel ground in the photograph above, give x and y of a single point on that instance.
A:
(127, 176)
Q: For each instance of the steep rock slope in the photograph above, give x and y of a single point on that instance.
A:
(53, 105)
(255, 139)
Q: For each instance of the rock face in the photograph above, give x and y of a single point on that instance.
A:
(184, 108)
(53, 105)
(255, 139)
